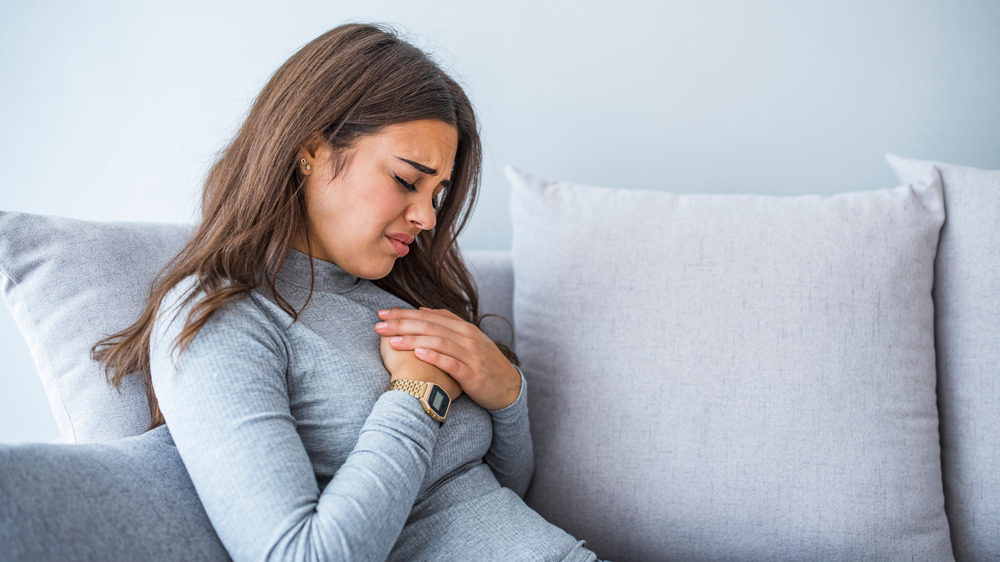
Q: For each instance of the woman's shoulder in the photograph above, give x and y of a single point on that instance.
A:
(248, 311)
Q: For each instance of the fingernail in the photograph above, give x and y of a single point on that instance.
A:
(381, 325)
(420, 351)
(395, 339)
(383, 312)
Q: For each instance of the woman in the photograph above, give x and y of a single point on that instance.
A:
(327, 250)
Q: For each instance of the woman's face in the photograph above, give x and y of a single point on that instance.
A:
(364, 219)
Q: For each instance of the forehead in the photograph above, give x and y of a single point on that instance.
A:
(429, 142)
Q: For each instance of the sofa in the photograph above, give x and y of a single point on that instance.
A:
(710, 377)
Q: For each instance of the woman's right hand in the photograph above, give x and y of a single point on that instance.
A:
(403, 364)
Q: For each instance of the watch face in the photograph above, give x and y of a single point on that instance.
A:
(439, 401)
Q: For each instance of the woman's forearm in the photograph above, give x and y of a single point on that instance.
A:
(511, 454)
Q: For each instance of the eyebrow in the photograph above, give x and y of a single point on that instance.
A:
(425, 170)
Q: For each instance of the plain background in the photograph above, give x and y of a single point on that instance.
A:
(115, 110)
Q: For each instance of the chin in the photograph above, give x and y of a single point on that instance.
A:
(378, 272)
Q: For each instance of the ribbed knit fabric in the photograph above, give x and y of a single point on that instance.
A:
(297, 453)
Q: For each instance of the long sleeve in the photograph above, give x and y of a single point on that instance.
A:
(511, 454)
(226, 403)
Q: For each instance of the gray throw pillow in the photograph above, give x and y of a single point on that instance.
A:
(732, 377)
(69, 283)
(967, 300)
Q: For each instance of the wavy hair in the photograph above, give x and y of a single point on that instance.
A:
(353, 80)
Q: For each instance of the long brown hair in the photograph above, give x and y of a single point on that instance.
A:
(351, 81)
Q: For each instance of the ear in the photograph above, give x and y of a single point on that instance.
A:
(309, 146)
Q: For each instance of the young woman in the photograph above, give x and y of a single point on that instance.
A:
(313, 350)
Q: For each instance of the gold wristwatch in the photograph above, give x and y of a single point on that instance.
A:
(433, 398)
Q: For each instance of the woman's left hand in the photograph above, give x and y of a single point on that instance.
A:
(458, 348)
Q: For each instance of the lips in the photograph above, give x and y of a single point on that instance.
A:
(400, 242)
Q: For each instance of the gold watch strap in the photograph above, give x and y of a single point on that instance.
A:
(416, 388)
(423, 391)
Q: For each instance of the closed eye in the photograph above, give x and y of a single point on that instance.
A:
(409, 186)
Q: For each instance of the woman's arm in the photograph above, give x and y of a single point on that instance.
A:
(462, 350)
(511, 454)
(226, 403)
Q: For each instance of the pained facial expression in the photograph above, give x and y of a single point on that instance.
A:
(364, 219)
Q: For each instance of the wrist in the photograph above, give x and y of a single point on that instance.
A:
(434, 399)
(433, 376)
(518, 397)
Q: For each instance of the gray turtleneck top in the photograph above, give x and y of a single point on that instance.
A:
(298, 453)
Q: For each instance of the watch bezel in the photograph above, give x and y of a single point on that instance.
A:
(428, 399)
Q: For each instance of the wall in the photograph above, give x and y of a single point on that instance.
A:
(115, 110)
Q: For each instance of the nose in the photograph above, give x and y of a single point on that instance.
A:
(421, 212)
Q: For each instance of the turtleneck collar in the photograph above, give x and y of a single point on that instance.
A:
(329, 277)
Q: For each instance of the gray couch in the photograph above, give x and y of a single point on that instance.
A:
(710, 377)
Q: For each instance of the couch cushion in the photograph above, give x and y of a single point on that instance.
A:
(967, 300)
(127, 500)
(732, 377)
(491, 269)
(69, 283)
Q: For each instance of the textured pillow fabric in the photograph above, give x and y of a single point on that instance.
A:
(69, 283)
(967, 300)
(732, 377)
(127, 500)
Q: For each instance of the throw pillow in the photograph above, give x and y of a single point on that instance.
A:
(732, 377)
(967, 301)
(69, 283)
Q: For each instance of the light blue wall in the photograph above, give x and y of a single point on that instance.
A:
(114, 110)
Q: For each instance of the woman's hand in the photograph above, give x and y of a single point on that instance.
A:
(460, 349)
(405, 365)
